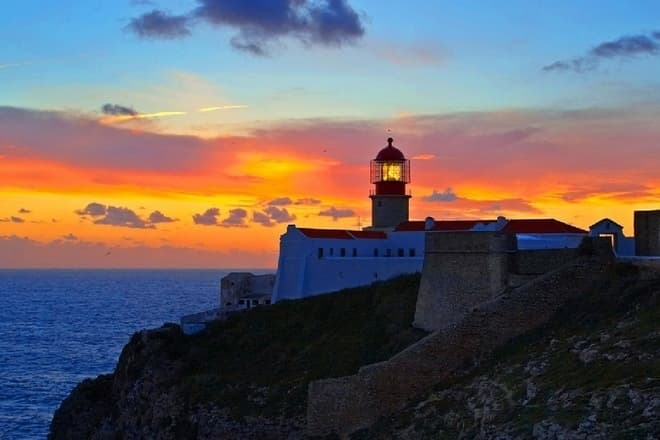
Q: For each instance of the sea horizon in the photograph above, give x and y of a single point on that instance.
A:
(60, 326)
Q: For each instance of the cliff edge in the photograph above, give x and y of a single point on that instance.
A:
(245, 378)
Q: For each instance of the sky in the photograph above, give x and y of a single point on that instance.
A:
(190, 133)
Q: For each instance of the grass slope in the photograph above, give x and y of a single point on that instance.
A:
(260, 362)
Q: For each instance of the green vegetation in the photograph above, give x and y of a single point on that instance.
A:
(260, 362)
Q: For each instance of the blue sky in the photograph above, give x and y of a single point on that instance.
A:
(420, 57)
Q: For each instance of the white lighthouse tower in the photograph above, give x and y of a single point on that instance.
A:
(390, 173)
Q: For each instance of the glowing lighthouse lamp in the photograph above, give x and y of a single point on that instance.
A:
(390, 172)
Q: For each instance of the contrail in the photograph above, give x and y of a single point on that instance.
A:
(7, 66)
(221, 107)
(48, 60)
(122, 118)
(114, 119)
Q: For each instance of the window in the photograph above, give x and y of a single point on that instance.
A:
(399, 252)
(375, 252)
(388, 253)
(342, 252)
(332, 251)
(411, 252)
(379, 204)
(355, 252)
(255, 302)
(241, 302)
(320, 252)
(228, 303)
(267, 301)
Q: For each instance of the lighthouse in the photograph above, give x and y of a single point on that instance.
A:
(390, 173)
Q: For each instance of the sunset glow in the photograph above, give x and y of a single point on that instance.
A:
(197, 152)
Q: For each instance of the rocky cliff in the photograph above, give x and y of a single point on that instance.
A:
(245, 378)
(591, 372)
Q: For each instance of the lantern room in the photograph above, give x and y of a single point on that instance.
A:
(390, 171)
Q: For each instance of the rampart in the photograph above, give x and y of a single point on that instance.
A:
(346, 404)
(460, 269)
(539, 261)
(647, 233)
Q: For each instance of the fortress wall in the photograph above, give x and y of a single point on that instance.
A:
(647, 233)
(461, 269)
(539, 261)
(346, 404)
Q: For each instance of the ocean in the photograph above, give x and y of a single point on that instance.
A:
(58, 327)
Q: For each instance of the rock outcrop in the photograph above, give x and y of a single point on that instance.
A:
(145, 398)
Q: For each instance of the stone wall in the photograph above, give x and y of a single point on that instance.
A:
(460, 269)
(237, 286)
(539, 261)
(346, 404)
(647, 233)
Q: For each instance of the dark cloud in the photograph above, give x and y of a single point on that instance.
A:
(236, 218)
(254, 48)
(624, 47)
(260, 22)
(12, 219)
(448, 195)
(24, 211)
(262, 218)
(281, 201)
(69, 237)
(337, 213)
(159, 217)
(159, 24)
(124, 217)
(280, 215)
(578, 65)
(119, 216)
(117, 110)
(208, 218)
(308, 201)
(273, 215)
(94, 209)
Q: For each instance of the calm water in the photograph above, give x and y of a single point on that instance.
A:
(58, 327)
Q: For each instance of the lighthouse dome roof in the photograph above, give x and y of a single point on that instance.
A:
(390, 152)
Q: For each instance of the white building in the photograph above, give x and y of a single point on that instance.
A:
(315, 261)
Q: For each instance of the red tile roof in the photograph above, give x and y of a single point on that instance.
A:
(442, 225)
(368, 234)
(515, 226)
(541, 226)
(341, 234)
